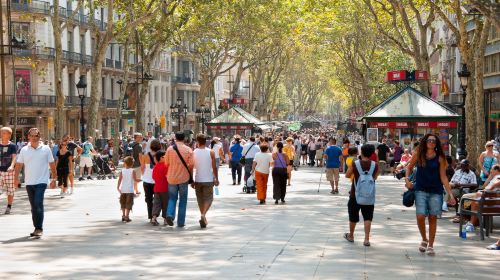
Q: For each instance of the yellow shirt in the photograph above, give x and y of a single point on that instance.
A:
(289, 151)
(349, 162)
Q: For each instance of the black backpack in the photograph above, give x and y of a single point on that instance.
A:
(130, 150)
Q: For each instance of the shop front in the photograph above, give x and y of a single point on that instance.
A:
(407, 116)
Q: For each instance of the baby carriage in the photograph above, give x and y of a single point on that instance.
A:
(103, 168)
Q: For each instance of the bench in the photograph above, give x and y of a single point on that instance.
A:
(489, 206)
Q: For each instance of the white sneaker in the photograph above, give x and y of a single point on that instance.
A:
(70, 191)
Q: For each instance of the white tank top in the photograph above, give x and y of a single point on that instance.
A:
(127, 181)
(147, 177)
(203, 166)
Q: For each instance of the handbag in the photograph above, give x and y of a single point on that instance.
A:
(409, 198)
(277, 155)
(242, 159)
(184, 163)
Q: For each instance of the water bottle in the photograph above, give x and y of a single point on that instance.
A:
(463, 232)
(469, 227)
(216, 190)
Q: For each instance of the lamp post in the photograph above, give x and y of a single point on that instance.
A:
(202, 116)
(81, 86)
(178, 111)
(464, 75)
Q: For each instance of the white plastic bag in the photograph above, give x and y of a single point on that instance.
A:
(250, 181)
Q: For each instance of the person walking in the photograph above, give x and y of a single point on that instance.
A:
(311, 150)
(179, 160)
(365, 173)
(160, 202)
(8, 153)
(260, 168)
(430, 178)
(250, 149)
(147, 165)
(333, 157)
(303, 151)
(36, 159)
(64, 164)
(280, 174)
(206, 177)
(289, 151)
(86, 159)
(297, 146)
(136, 151)
(75, 151)
(216, 146)
(126, 188)
(235, 154)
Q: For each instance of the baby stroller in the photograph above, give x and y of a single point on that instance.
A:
(104, 170)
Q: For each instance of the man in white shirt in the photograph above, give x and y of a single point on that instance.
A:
(250, 149)
(147, 147)
(36, 159)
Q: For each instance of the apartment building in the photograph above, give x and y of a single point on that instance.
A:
(31, 80)
(444, 67)
(224, 85)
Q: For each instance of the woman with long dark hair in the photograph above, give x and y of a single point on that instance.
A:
(280, 174)
(430, 179)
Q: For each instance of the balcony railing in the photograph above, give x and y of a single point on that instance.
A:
(37, 7)
(183, 80)
(109, 63)
(118, 64)
(39, 52)
(50, 101)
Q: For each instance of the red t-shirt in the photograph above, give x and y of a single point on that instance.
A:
(160, 178)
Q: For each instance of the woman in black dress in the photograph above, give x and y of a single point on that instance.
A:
(64, 163)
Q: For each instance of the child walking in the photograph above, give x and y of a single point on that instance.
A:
(160, 200)
(126, 188)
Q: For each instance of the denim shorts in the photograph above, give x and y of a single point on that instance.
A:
(428, 203)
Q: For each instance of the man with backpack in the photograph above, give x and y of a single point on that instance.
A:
(86, 159)
(362, 194)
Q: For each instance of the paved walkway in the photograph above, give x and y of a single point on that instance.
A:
(84, 239)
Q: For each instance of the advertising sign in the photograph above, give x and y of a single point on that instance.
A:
(22, 83)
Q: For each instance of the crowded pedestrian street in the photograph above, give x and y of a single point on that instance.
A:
(302, 239)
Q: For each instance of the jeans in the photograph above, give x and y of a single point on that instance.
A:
(175, 192)
(236, 168)
(35, 196)
(312, 156)
(428, 203)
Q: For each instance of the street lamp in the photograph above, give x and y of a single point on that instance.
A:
(464, 75)
(81, 87)
(178, 111)
(202, 115)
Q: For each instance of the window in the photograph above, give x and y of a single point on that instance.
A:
(486, 65)
(156, 94)
(162, 94)
(83, 50)
(71, 82)
(70, 41)
(21, 30)
(103, 86)
(112, 88)
(494, 59)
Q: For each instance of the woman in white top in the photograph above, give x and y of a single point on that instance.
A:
(261, 167)
(147, 176)
(216, 146)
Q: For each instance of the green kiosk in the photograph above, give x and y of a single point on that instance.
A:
(407, 116)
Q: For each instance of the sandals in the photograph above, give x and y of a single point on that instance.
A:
(346, 237)
(456, 220)
(367, 243)
(423, 246)
(493, 246)
(430, 251)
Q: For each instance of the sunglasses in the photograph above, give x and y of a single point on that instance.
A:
(488, 146)
(431, 140)
(35, 135)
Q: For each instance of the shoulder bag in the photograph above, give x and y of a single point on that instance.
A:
(242, 159)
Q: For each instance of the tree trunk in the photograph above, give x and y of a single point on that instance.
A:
(118, 114)
(95, 92)
(59, 119)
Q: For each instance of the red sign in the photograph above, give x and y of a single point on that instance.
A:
(436, 124)
(390, 124)
(445, 124)
(235, 101)
(229, 126)
(395, 76)
(421, 75)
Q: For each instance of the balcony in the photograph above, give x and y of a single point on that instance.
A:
(183, 80)
(118, 64)
(49, 101)
(36, 7)
(39, 52)
(72, 57)
(109, 63)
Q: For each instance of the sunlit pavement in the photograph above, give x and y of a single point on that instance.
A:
(84, 238)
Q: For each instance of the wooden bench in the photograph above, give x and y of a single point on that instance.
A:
(489, 206)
